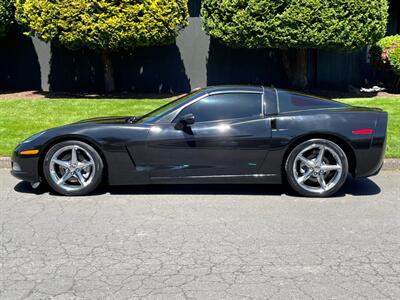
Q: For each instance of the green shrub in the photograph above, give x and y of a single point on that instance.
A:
(298, 24)
(103, 25)
(6, 16)
(326, 24)
(386, 54)
(395, 60)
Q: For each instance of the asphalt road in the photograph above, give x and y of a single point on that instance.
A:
(201, 242)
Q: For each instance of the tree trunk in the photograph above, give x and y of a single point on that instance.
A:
(296, 68)
(109, 83)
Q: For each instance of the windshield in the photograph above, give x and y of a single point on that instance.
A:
(165, 109)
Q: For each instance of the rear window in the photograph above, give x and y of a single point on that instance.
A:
(289, 102)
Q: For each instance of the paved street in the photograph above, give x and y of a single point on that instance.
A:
(201, 242)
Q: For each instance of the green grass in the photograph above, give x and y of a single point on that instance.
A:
(20, 119)
(392, 106)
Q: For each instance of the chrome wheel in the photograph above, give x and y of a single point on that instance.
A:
(72, 168)
(317, 168)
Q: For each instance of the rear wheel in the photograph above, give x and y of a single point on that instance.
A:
(317, 168)
(73, 168)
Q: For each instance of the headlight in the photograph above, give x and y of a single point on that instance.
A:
(33, 137)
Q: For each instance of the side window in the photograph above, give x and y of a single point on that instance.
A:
(289, 102)
(224, 107)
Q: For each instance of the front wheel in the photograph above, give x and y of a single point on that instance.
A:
(73, 168)
(317, 168)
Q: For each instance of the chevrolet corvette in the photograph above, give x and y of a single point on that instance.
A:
(216, 135)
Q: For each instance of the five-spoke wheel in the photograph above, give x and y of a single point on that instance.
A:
(317, 168)
(73, 168)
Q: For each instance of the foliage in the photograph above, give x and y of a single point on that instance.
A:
(386, 53)
(103, 24)
(6, 16)
(321, 24)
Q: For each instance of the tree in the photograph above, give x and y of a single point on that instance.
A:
(296, 24)
(386, 55)
(104, 25)
(6, 16)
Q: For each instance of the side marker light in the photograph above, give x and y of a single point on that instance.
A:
(365, 131)
(29, 152)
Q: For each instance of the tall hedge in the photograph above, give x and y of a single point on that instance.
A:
(6, 16)
(103, 25)
(299, 24)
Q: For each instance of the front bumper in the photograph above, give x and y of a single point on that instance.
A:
(25, 167)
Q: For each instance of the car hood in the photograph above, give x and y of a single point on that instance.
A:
(105, 120)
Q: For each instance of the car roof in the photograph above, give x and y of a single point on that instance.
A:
(233, 88)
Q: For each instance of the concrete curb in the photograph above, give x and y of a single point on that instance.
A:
(390, 164)
(5, 163)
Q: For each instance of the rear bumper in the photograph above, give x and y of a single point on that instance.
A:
(371, 172)
(378, 170)
(370, 160)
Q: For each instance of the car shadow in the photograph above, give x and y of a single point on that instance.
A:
(197, 189)
(359, 187)
(353, 187)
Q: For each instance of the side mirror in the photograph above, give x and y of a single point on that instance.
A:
(185, 121)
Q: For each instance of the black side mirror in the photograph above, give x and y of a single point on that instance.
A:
(185, 121)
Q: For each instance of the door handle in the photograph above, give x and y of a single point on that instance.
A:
(274, 125)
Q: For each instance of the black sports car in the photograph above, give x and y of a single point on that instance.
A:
(229, 134)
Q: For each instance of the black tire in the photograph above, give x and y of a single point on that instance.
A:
(96, 179)
(338, 181)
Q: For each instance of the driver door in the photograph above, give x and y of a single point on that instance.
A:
(229, 138)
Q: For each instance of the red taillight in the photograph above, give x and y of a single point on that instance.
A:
(365, 131)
